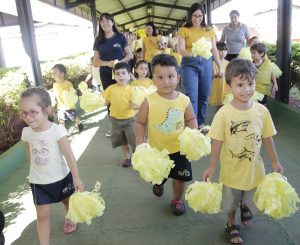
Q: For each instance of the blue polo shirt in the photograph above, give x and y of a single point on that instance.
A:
(112, 48)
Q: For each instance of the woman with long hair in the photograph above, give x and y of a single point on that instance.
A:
(196, 72)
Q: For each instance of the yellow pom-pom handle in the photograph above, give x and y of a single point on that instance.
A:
(202, 47)
(153, 165)
(276, 197)
(84, 206)
(204, 197)
(194, 144)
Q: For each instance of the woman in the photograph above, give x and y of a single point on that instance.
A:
(196, 72)
(234, 35)
(109, 45)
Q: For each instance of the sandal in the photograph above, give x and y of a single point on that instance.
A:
(246, 214)
(69, 226)
(234, 234)
(158, 190)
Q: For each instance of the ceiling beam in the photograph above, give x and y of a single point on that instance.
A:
(74, 3)
(129, 9)
(158, 23)
(127, 12)
(150, 16)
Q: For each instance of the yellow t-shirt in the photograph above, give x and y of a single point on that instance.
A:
(120, 99)
(242, 132)
(166, 121)
(264, 77)
(58, 89)
(178, 57)
(191, 35)
(151, 47)
(143, 83)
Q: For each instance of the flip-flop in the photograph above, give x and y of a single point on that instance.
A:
(69, 226)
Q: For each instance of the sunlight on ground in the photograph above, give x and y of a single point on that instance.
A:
(22, 209)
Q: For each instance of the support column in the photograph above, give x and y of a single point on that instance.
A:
(284, 23)
(208, 11)
(94, 17)
(29, 42)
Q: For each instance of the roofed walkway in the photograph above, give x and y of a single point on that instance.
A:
(133, 216)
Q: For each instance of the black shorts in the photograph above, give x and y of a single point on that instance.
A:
(64, 115)
(182, 169)
(54, 192)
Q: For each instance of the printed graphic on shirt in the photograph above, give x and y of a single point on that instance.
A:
(117, 45)
(172, 122)
(245, 154)
(239, 126)
(40, 152)
(256, 139)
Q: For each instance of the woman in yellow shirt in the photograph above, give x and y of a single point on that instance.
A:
(196, 72)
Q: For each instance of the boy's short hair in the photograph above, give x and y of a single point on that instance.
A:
(259, 47)
(221, 46)
(234, 12)
(60, 67)
(164, 60)
(121, 65)
(242, 68)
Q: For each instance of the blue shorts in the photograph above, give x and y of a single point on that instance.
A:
(54, 192)
(64, 115)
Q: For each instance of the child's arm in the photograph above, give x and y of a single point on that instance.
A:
(216, 146)
(28, 152)
(66, 149)
(141, 122)
(275, 85)
(189, 117)
(270, 148)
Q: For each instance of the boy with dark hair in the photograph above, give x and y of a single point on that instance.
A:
(164, 115)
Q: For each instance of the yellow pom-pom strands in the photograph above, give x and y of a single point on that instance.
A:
(140, 93)
(70, 98)
(91, 100)
(82, 86)
(204, 197)
(153, 165)
(84, 206)
(276, 197)
(202, 47)
(245, 53)
(194, 144)
(256, 97)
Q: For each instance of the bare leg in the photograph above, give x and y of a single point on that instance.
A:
(43, 223)
(125, 151)
(77, 120)
(178, 189)
(62, 123)
(65, 202)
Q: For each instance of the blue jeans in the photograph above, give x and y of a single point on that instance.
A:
(196, 74)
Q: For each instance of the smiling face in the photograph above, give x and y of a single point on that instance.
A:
(149, 30)
(166, 79)
(106, 24)
(197, 18)
(234, 19)
(122, 77)
(142, 70)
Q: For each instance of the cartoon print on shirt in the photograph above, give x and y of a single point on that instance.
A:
(174, 121)
(245, 154)
(239, 126)
(255, 139)
(40, 152)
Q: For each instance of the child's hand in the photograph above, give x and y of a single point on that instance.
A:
(208, 174)
(277, 167)
(274, 88)
(134, 106)
(78, 185)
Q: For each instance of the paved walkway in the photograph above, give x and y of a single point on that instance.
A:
(133, 215)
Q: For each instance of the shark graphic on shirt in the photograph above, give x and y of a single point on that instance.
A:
(239, 126)
(245, 154)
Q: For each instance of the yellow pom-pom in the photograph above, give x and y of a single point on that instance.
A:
(140, 93)
(193, 144)
(276, 70)
(276, 197)
(245, 53)
(204, 197)
(202, 47)
(84, 206)
(255, 97)
(91, 100)
(82, 86)
(228, 98)
(153, 165)
(70, 98)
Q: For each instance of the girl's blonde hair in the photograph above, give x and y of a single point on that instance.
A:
(43, 100)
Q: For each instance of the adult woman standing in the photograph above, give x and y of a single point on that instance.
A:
(109, 45)
(196, 72)
(235, 35)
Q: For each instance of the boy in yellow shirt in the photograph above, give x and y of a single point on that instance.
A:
(237, 132)
(164, 114)
(63, 112)
(122, 111)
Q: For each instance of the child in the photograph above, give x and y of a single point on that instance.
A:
(122, 111)
(51, 179)
(60, 85)
(218, 89)
(164, 114)
(266, 81)
(141, 72)
(237, 131)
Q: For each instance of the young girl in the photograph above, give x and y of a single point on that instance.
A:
(218, 89)
(141, 72)
(51, 179)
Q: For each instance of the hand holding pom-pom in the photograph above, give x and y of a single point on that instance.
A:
(202, 47)
(276, 197)
(70, 98)
(153, 165)
(84, 206)
(204, 197)
(194, 144)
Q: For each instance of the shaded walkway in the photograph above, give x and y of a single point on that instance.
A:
(133, 215)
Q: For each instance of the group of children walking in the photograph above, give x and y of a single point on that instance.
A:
(237, 132)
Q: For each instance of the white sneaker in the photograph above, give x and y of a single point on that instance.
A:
(108, 134)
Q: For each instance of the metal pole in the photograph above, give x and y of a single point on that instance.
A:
(284, 22)
(28, 37)
(94, 17)
(208, 11)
